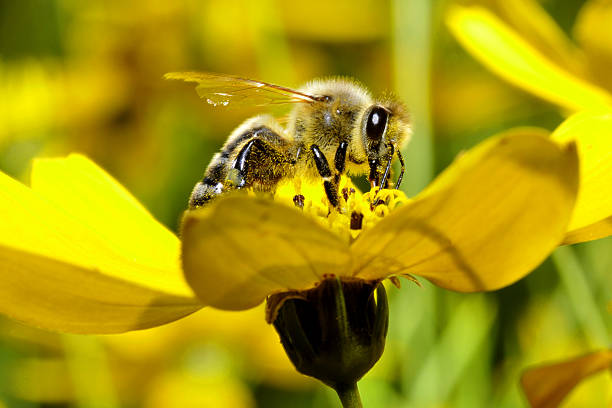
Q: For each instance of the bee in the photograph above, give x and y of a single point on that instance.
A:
(335, 127)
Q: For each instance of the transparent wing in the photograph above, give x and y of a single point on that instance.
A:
(226, 90)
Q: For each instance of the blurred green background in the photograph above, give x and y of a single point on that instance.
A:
(87, 77)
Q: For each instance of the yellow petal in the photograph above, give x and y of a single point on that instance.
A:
(504, 52)
(591, 232)
(530, 19)
(61, 274)
(592, 134)
(546, 386)
(488, 220)
(592, 31)
(97, 201)
(243, 249)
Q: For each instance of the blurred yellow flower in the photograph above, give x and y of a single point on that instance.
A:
(546, 332)
(140, 349)
(138, 361)
(547, 385)
(24, 380)
(38, 96)
(531, 51)
(178, 389)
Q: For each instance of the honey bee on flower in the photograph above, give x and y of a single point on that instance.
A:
(335, 128)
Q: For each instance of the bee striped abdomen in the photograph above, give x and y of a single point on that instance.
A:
(255, 155)
(212, 184)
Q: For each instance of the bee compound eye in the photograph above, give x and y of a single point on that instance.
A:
(377, 123)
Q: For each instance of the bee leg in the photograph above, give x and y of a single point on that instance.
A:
(403, 167)
(383, 183)
(339, 163)
(373, 177)
(331, 188)
(340, 158)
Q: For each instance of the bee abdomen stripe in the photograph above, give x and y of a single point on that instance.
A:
(233, 144)
(209, 182)
(203, 192)
(262, 132)
(215, 172)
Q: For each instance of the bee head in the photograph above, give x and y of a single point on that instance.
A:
(385, 128)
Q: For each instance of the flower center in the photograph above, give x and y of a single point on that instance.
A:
(357, 211)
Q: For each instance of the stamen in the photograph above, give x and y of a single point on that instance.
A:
(298, 200)
(356, 220)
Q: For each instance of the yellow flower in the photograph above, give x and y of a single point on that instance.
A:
(530, 51)
(80, 254)
(547, 385)
(487, 221)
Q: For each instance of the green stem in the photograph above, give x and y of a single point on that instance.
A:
(585, 306)
(349, 396)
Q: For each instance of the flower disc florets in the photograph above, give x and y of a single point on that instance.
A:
(357, 211)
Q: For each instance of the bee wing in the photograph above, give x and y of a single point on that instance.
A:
(224, 90)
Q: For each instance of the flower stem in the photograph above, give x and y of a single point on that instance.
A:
(349, 395)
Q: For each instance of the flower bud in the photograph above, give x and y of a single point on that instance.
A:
(335, 332)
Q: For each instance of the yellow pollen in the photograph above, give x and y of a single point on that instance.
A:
(358, 211)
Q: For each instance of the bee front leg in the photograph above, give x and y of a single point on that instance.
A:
(329, 184)
(374, 176)
(339, 163)
(340, 159)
